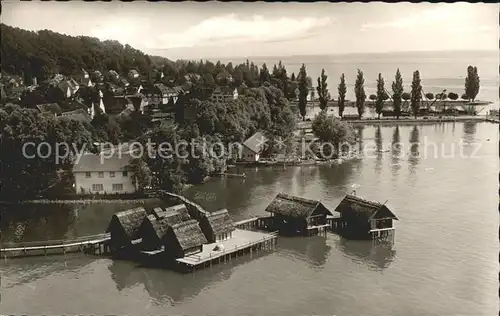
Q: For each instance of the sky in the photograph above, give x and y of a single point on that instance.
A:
(193, 30)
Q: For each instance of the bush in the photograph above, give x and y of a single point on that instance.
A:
(373, 97)
(429, 95)
(406, 96)
(464, 96)
(452, 96)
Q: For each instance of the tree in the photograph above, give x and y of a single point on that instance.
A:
(332, 130)
(416, 92)
(397, 91)
(26, 173)
(359, 89)
(265, 76)
(472, 83)
(141, 173)
(322, 90)
(381, 95)
(303, 91)
(342, 89)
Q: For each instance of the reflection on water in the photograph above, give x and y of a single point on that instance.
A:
(376, 256)
(30, 270)
(379, 148)
(395, 151)
(414, 157)
(31, 222)
(169, 287)
(312, 250)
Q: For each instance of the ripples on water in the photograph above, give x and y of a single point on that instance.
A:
(443, 261)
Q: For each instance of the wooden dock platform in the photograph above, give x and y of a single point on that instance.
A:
(242, 242)
(95, 244)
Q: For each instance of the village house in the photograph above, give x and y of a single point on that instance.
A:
(97, 76)
(133, 74)
(51, 109)
(85, 74)
(155, 75)
(98, 174)
(217, 226)
(224, 95)
(191, 77)
(293, 215)
(123, 83)
(184, 239)
(77, 115)
(253, 147)
(124, 228)
(112, 76)
(134, 89)
(69, 87)
(161, 94)
(115, 105)
(360, 218)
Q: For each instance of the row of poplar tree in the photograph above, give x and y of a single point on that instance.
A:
(472, 84)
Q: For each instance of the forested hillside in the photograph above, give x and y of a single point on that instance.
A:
(44, 53)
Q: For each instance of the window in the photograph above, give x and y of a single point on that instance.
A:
(101, 175)
(125, 173)
(117, 187)
(97, 187)
(111, 174)
(87, 174)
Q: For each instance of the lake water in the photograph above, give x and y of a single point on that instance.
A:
(444, 260)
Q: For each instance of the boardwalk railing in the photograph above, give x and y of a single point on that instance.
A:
(225, 251)
(54, 243)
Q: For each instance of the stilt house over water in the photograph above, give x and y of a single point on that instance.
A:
(217, 226)
(296, 215)
(360, 218)
(124, 228)
(155, 226)
(184, 239)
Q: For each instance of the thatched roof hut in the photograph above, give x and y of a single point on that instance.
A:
(155, 226)
(179, 210)
(124, 226)
(185, 238)
(194, 210)
(294, 206)
(217, 225)
(353, 206)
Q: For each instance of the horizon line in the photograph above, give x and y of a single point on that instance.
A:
(402, 52)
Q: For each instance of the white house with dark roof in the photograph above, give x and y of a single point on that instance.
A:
(98, 174)
(253, 147)
(224, 95)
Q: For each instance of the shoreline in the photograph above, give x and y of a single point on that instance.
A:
(393, 121)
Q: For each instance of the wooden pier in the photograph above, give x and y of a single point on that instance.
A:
(253, 223)
(95, 244)
(232, 175)
(242, 242)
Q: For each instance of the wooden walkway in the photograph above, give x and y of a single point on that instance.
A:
(95, 244)
(242, 242)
